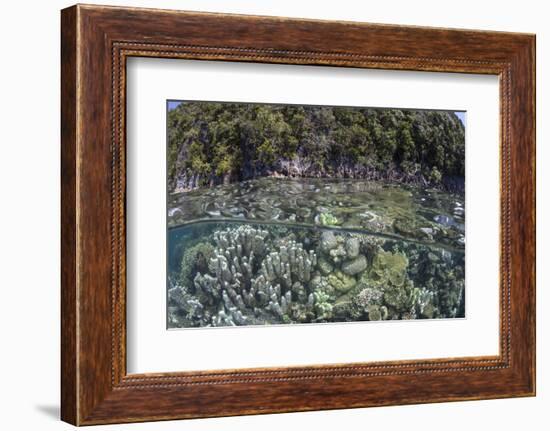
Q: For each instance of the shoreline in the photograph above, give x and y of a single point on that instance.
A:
(448, 184)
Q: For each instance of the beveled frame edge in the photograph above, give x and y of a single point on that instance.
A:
(96, 41)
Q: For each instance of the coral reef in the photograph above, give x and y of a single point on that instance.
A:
(327, 219)
(195, 259)
(250, 283)
(387, 284)
(441, 274)
(341, 282)
(260, 274)
(355, 266)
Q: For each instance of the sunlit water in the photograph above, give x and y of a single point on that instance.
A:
(358, 250)
(407, 211)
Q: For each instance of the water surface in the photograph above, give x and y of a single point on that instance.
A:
(407, 211)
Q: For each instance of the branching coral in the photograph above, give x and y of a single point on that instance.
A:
(248, 275)
(323, 307)
(251, 279)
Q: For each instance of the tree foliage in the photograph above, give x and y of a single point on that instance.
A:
(210, 142)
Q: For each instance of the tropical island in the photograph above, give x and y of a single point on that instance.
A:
(212, 143)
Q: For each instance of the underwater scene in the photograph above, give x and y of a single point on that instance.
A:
(262, 243)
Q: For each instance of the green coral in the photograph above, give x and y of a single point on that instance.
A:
(377, 312)
(324, 266)
(195, 259)
(402, 298)
(388, 267)
(323, 307)
(388, 275)
(341, 282)
(327, 219)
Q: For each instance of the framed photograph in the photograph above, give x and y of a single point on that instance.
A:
(264, 215)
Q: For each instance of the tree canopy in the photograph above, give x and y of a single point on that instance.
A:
(211, 142)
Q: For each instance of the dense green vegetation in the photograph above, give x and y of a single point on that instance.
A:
(210, 143)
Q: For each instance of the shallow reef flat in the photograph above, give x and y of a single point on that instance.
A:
(238, 272)
(409, 212)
